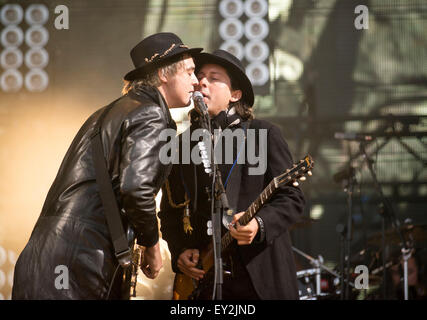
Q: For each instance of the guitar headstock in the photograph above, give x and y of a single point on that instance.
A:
(297, 173)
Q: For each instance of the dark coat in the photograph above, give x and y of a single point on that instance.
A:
(270, 263)
(72, 230)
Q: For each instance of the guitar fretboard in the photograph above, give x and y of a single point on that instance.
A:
(250, 212)
(285, 178)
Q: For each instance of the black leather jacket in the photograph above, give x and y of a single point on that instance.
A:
(72, 230)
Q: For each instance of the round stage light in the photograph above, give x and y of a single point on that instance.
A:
(234, 48)
(10, 277)
(258, 73)
(36, 36)
(256, 51)
(3, 256)
(11, 80)
(12, 36)
(256, 28)
(36, 14)
(231, 8)
(36, 58)
(231, 29)
(2, 279)
(36, 80)
(12, 257)
(256, 8)
(11, 14)
(11, 58)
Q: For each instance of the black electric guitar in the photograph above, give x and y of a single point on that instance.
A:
(184, 286)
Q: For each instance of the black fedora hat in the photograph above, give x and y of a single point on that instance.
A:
(234, 69)
(155, 51)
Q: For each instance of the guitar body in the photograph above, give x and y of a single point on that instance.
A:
(126, 279)
(184, 286)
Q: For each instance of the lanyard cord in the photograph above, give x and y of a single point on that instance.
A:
(235, 161)
(234, 164)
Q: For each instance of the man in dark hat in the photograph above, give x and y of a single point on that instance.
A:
(261, 260)
(70, 254)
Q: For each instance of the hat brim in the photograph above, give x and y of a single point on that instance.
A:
(234, 71)
(137, 72)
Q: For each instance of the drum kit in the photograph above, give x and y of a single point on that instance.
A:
(320, 282)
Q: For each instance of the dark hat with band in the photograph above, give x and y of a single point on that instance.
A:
(155, 51)
(234, 69)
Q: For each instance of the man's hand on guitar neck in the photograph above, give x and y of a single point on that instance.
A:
(187, 264)
(243, 234)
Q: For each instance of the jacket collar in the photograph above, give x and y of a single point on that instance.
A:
(225, 119)
(154, 94)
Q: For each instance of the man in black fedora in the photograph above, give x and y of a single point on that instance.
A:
(260, 262)
(71, 253)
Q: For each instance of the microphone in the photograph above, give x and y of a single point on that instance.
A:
(199, 103)
(352, 136)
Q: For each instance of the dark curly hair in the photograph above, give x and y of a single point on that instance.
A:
(242, 108)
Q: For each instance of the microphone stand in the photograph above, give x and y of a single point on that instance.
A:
(219, 206)
(383, 228)
(349, 188)
(342, 231)
(346, 234)
(406, 251)
(348, 180)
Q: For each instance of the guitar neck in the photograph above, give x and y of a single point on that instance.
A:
(298, 171)
(251, 211)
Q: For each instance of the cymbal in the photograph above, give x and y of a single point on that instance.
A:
(304, 222)
(410, 232)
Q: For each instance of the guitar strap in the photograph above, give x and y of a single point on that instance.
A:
(108, 198)
(120, 238)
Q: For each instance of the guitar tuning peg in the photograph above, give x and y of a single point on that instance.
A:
(309, 173)
(303, 178)
(295, 184)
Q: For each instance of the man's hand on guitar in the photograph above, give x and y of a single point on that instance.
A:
(151, 262)
(187, 264)
(243, 234)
